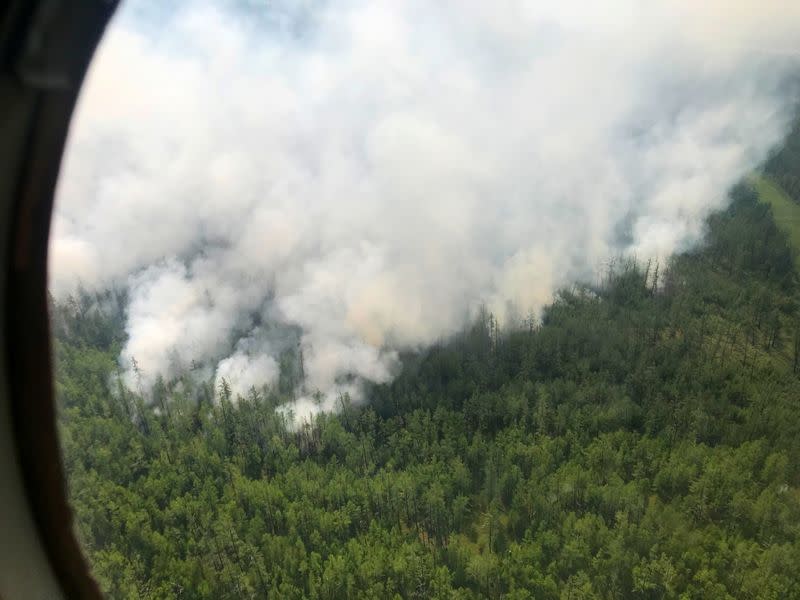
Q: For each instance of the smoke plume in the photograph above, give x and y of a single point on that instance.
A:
(356, 176)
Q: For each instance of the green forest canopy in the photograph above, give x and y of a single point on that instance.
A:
(642, 441)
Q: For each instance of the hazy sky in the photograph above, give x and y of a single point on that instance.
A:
(372, 171)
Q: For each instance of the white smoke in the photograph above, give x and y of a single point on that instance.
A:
(372, 171)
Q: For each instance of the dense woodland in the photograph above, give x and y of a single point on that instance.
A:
(640, 440)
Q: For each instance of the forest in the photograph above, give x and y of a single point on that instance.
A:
(639, 440)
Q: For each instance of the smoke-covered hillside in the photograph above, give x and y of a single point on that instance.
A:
(351, 180)
(642, 441)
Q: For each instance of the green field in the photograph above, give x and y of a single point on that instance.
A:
(785, 211)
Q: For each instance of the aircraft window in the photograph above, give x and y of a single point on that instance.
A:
(433, 300)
